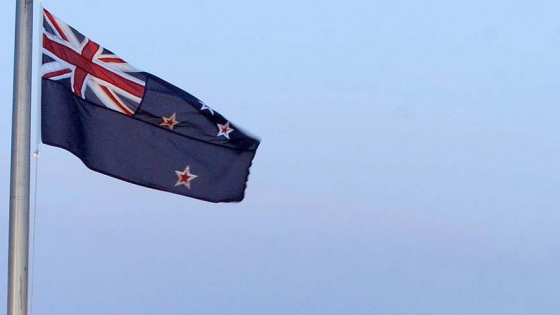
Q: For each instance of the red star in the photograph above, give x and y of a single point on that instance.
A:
(225, 130)
(169, 121)
(185, 177)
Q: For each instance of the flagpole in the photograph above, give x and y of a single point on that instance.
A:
(20, 163)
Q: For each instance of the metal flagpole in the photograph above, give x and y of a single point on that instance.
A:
(20, 164)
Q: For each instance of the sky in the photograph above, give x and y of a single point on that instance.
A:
(409, 163)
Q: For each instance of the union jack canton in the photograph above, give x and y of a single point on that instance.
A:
(92, 72)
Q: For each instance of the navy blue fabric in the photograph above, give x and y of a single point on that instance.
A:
(162, 99)
(140, 151)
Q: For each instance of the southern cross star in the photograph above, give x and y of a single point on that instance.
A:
(206, 107)
(169, 121)
(185, 177)
(225, 130)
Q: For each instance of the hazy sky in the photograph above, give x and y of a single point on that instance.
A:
(409, 163)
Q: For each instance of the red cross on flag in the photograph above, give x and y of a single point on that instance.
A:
(96, 74)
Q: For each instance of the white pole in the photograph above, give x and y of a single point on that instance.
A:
(19, 176)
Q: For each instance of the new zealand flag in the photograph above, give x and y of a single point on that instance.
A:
(134, 126)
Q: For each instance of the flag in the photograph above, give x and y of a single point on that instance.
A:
(134, 126)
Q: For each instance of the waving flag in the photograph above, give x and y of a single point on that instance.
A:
(134, 126)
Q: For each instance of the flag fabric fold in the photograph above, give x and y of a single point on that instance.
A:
(134, 126)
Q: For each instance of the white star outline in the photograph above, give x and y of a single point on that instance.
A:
(169, 121)
(225, 130)
(185, 177)
(206, 107)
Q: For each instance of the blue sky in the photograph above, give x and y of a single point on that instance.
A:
(409, 163)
